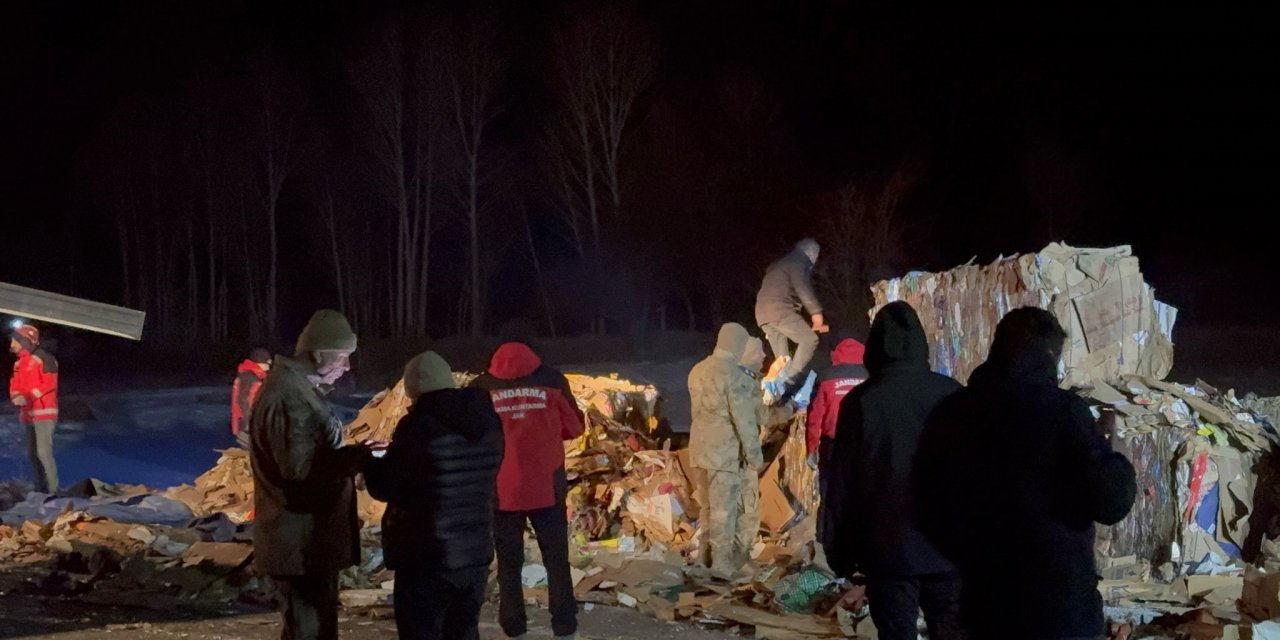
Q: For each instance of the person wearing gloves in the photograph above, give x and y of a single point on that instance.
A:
(437, 480)
(537, 418)
(767, 416)
(871, 526)
(1014, 457)
(724, 441)
(34, 391)
(305, 529)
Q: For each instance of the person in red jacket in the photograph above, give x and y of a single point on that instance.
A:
(845, 373)
(34, 390)
(244, 390)
(537, 417)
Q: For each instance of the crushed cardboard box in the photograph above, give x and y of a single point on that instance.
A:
(1114, 324)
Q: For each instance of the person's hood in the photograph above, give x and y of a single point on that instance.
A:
(465, 412)
(754, 346)
(897, 340)
(849, 351)
(731, 342)
(249, 366)
(1029, 367)
(514, 360)
(1023, 350)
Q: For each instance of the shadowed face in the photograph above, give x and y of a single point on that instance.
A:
(332, 365)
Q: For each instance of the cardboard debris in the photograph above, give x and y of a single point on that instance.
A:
(801, 624)
(1114, 324)
(226, 488)
(225, 556)
(365, 598)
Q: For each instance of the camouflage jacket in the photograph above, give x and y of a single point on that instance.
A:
(725, 433)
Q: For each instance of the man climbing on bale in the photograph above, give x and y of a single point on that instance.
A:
(787, 287)
(437, 480)
(249, 377)
(306, 529)
(724, 441)
(871, 528)
(1017, 462)
(532, 485)
(34, 391)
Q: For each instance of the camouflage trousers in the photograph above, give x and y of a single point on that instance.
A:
(734, 519)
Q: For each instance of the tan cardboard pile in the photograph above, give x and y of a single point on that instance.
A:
(1114, 324)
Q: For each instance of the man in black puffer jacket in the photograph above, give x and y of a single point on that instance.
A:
(438, 481)
(1013, 472)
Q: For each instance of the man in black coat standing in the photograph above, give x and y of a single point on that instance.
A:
(437, 478)
(871, 526)
(1015, 471)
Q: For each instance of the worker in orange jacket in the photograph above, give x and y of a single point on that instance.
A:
(34, 390)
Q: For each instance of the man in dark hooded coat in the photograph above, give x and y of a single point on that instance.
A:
(871, 527)
(1014, 472)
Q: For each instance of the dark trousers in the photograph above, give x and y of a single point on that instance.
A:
(896, 604)
(792, 328)
(552, 530)
(826, 459)
(438, 604)
(308, 606)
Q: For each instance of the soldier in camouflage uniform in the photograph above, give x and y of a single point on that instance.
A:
(724, 440)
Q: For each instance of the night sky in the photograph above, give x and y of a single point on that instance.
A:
(1149, 126)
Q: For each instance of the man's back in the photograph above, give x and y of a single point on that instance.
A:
(720, 399)
(879, 430)
(1036, 476)
(787, 284)
(437, 477)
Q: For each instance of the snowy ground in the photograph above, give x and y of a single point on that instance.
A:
(166, 437)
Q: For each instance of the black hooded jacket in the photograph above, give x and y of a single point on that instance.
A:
(876, 438)
(438, 481)
(1014, 472)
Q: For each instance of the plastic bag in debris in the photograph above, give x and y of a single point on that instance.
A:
(798, 591)
(134, 509)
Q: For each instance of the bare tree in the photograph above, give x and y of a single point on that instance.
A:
(867, 239)
(475, 68)
(271, 115)
(396, 78)
(604, 60)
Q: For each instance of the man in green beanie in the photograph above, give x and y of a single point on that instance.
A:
(724, 440)
(437, 479)
(306, 529)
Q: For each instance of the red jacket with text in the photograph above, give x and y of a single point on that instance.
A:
(833, 385)
(538, 414)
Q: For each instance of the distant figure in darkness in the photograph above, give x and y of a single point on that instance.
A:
(244, 391)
